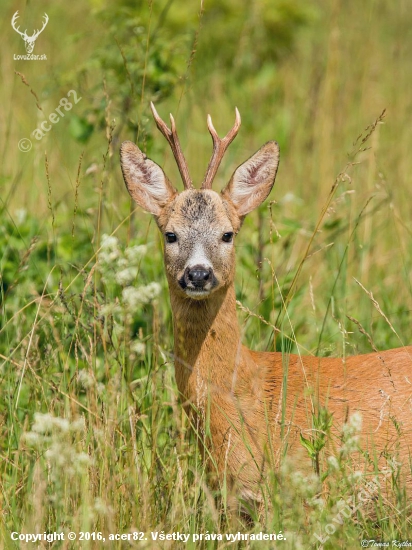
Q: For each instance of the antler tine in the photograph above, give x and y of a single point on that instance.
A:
(13, 24)
(39, 31)
(46, 20)
(219, 148)
(173, 140)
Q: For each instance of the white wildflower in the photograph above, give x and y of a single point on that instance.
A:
(122, 263)
(355, 420)
(350, 445)
(98, 434)
(78, 425)
(109, 242)
(63, 456)
(152, 290)
(61, 424)
(117, 331)
(355, 476)
(353, 426)
(21, 215)
(56, 438)
(109, 250)
(317, 502)
(111, 308)
(32, 439)
(57, 453)
(135, 297)
(294, 540)
(350, 432)
(44, 423)
(333, 462)
(132, 296)
(138, 347)
(100, 506)
(290, 198)
(297, 478)
(82, 460)
(135, 253)
(126, 276)
(307, 485)
(85, 379)
(341, 504)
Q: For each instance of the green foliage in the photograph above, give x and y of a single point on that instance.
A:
(322, 423)
(131, 65)
(251, 37)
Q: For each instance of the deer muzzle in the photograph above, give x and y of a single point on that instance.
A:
(198, 278)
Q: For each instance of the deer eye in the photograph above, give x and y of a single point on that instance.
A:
(227, 237)
(171, 237)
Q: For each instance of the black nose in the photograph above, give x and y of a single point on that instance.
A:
(197, 276)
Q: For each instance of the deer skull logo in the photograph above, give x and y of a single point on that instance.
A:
(29, 41)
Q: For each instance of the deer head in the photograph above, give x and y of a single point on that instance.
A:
(29, 41)
(199, 226)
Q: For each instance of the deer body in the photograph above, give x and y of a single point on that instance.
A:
(247, 406)
(239, 393)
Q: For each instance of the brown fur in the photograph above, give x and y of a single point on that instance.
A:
(234, 395)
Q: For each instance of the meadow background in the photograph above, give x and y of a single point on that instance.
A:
(92, 436)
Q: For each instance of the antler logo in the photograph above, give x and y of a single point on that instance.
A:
(29, 41)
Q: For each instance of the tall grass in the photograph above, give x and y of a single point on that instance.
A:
(93, 437)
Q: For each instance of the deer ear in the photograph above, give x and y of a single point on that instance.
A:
(253, 180)
(144, 179)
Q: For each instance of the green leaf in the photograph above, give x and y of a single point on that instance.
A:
(80, 129)
(308, 446)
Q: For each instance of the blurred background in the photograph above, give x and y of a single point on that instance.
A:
(312, 75)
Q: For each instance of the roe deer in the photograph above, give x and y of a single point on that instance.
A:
(244, 403)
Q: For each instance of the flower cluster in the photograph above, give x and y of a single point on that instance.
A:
(117, 265)
(350, 433)
(119, 268)
(56, 438)
(134, 297)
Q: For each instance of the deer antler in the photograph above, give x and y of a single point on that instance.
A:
(13, 24)
(173, 140)
(219, 148)
(46, 20)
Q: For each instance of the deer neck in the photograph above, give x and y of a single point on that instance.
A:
(207, 340)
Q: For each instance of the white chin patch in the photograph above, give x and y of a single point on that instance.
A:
(197, 294)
